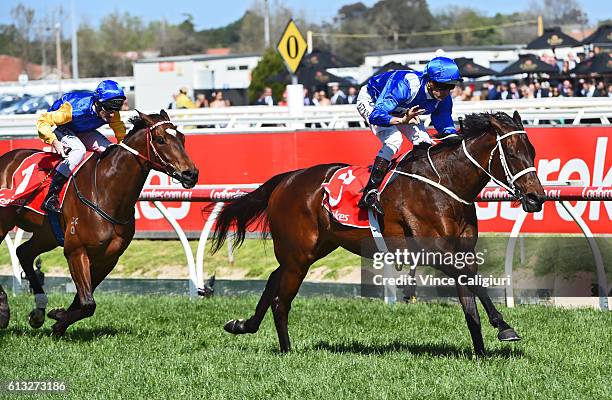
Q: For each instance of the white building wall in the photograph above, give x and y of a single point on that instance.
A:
(417, 60)
(157, 81)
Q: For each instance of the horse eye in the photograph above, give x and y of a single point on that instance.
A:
(159, 140)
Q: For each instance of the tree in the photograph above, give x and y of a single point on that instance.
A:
(353, 19)
(270, 66)
(8, 40)
(559, 12)
(23, 18)
(402, 16)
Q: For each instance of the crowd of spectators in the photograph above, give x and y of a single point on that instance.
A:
(181, 100)
(583, 87)
(563, 84)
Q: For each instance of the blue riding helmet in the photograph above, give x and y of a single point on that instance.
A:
(443, 70)
(110, 95)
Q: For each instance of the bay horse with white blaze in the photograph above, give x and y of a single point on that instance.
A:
(494, 146)
(108, 188)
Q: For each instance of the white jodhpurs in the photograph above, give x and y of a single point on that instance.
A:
(391, 137)
(78, 145)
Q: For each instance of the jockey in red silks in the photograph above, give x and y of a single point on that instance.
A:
(76, 116)
(391, 103)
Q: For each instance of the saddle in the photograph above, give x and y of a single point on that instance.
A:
(30, 181)
(341, 193)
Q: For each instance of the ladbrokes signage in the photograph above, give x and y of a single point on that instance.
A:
(575, 153)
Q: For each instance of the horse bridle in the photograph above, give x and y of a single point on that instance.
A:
(510, 178)
(165, 166)
(510, 187)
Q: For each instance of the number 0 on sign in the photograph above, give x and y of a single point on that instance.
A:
(292, 46)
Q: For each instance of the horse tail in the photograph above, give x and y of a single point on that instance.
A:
(243, 211)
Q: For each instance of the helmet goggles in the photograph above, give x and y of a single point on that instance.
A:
(112, 105)
(443, 85)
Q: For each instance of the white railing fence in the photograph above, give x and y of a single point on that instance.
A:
(553, 111)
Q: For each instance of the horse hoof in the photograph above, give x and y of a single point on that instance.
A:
(58, 329)
(57, 314)
(36, 319)
(5, 317)
(235, 326)
(508, 335)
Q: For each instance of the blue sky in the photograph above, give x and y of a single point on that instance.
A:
(215, 13)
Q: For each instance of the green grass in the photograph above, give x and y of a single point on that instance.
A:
(169, 347)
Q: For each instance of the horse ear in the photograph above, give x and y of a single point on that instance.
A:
(495, 123)
(148, 120)
(517, 119)
(164, 115)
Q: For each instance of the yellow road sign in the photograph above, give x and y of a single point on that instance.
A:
(292, 46)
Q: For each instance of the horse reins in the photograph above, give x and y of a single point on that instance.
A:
(510, 187)
(135, 152)
(165, 164)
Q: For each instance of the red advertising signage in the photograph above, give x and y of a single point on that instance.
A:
(575, 153)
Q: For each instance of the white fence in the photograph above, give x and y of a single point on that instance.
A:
(553, 111)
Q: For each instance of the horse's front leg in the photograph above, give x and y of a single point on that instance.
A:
(505, 332)
(470, 309)
(79, 265)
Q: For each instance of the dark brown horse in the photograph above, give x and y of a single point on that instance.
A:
(98, 220)
(303, 231)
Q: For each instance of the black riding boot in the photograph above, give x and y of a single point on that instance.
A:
(51, 202)
(370, 197)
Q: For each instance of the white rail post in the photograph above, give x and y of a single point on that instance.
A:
(202, 242)
(514, 235)
(599, 265)
(193, 281)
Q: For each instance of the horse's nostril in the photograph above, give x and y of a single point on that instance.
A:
(191, 174)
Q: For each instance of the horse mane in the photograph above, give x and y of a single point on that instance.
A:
(137, 124)
(474, 125)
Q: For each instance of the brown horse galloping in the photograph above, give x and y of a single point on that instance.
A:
(303, 231)
(96, 234)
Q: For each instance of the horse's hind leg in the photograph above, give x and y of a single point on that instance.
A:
(27, 253)
(291, 279)
(470, 309)
(251, 325)
(293, 270)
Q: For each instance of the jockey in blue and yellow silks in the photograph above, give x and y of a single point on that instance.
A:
(77, 116)
(391, 103)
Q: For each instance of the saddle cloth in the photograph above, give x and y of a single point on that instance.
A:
(31, 180)
(341, 193)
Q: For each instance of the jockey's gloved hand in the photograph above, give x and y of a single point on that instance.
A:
(59, 148)
(412, 115)
(419, 137)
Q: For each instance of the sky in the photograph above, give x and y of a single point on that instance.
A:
(215, 13)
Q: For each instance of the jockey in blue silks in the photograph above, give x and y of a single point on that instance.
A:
(391, 103)
(70, 127)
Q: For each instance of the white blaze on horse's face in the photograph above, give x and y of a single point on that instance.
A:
(171, 131)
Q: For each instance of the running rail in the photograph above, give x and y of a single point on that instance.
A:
(221, 193)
